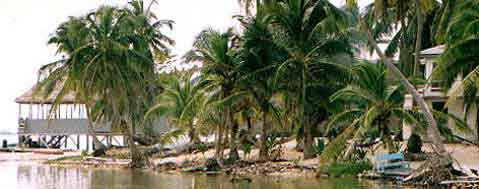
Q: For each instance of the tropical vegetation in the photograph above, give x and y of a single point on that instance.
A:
(290, 71)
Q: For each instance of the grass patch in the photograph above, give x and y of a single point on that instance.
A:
(66, 158)
(339, 169)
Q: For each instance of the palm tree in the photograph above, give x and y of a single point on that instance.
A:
(180, 101)
(259, 54)
(374, 102)
(461, 54)
(69, 36)
(314, 36)
(438, 146)
(216, 52)
(114, 69)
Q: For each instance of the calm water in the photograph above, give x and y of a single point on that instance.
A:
(29, 175)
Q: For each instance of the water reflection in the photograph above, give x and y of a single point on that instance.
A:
(42, 176)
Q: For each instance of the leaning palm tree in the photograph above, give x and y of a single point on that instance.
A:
(433, 130)
(68, 37)
(215, 50)
(374, 102)
(180, 102)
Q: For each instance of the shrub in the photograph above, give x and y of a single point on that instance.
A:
(246, 148)
(414, 144)
(274, 147)
(202, 147)
(318, 146)
(84, 153)
(352, 168)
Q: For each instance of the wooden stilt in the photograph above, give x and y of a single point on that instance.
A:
(78, 142)
(66, 140)
(87, 143)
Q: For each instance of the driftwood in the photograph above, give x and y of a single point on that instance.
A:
(433, 172)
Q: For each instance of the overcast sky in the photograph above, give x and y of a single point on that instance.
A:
(27, 24)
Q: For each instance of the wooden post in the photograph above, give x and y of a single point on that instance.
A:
(78, 142)
(66, 140)
(87, 143)
(108, 140)
(93, 138)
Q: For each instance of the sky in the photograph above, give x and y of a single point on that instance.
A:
(26, 26)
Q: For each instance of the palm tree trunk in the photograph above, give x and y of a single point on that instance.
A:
(308, 137)
(137, 158)
(91, 130)
(233, 155)
(417, 49)
(263, 152)
(192, 134)
(220, 133)
(432, 129)
(219, 140)
(308, 152)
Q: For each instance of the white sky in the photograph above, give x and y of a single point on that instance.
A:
(27, 24)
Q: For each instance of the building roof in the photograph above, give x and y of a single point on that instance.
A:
(36, 96)
(433, 51)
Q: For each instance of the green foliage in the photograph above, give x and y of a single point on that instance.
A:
(246, 148)
(349, 168)
(414, 144)
(274, 147)
(202, 147)
(319, 146)
(84, 153)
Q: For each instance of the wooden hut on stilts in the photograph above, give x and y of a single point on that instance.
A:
(67, 127)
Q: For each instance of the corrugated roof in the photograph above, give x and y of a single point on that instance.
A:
(437, 50)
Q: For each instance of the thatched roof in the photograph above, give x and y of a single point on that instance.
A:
(35, 96)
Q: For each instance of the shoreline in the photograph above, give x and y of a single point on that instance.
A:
(292, 165)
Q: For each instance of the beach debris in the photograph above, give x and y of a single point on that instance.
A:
(212, 164)
(167, 166)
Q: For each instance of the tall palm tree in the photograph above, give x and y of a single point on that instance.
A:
(434, 133)
(314, 36)
(69, 36)
(259, 54)
(114, 69)
(215, 50)
(180, 102)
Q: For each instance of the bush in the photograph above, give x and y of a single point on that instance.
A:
(338, 169)
(414, 144)
(246, 148)
(318, 146)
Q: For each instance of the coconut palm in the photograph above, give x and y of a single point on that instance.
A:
(180, 102)
(259, 54)
(315, 37)
(69, 36)
(461, 54)
(216, 52)
(434, 133)
(375, 102)
(113, 69)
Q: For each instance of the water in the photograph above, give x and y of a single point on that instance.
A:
(31, 175)
(11, 138)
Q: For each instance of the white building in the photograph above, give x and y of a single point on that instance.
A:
(436, 98)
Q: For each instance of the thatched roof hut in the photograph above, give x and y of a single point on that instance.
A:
(36, 96)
